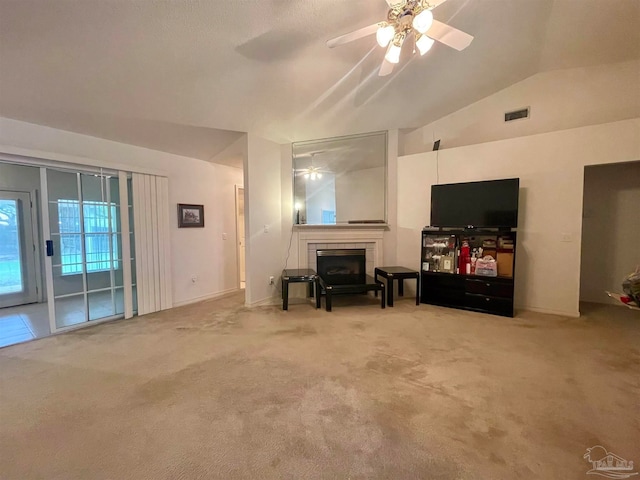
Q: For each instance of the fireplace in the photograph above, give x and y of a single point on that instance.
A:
(346, 266)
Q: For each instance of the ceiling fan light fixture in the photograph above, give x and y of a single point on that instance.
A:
(306, 176)
(424, 44)
(411, 19)
(423, 21)
(393, 52)
(385, 34)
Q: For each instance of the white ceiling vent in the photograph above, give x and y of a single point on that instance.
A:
(516, 114)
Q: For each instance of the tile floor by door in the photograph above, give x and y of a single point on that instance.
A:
(26, 322)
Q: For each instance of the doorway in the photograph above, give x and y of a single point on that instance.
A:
(240, 235)
(63, 253)
(18, 275)
(22, 317)
(610, 229)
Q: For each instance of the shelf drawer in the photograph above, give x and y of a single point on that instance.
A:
(442, 296)
(489, 287)
(499, 306)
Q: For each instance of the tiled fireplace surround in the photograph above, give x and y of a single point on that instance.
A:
(310, 240)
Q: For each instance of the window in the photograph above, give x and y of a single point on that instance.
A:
(328, 217)
(100, 225)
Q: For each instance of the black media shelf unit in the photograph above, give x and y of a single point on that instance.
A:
(442, 285)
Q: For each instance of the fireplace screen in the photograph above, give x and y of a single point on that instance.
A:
(343, 266)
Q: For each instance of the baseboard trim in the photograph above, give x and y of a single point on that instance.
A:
(265, 302)
(212, 296)
(548, 311)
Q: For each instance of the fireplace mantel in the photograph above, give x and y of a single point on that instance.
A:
(343, 226)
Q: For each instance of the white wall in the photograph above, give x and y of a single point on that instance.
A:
(550, 167)
(202, 252)
(263, 219)
(391, 235)
(559, 99)
(225, 194)
(610, 229)
(199, 252)
(19, 178)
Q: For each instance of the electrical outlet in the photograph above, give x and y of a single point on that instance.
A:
(266, 229)
(224, 236)
(271, 280)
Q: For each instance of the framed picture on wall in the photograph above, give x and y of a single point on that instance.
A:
(191, 216)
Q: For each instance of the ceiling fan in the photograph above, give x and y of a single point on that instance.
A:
(312, 172)
(407, 21)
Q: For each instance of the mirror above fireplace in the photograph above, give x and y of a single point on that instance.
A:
(341, 180)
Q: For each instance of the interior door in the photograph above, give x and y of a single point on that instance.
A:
(18, 284)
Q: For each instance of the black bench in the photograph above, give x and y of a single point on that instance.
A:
(328, 290)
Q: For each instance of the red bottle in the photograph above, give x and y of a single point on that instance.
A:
(464, 258)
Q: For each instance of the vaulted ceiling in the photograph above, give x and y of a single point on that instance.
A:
(188, 76)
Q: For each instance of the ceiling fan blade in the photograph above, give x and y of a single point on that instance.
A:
(351, 36)
(435, 3)
(452, 37)
(385, 69)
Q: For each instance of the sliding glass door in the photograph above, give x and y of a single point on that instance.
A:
(85, 251)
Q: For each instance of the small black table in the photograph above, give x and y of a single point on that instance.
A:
(298, 275)
(400, 274)
(369, 284)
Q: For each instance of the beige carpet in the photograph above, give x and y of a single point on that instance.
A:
(215, 390)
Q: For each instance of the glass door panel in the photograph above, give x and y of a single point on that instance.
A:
(67, 253)
(66, 284)
(70, 310)
(10, 251)
(69, 298)
(17, 250)
(101, 221)
(119, 301)
(84, 219)
(132, 244)
(101, 304)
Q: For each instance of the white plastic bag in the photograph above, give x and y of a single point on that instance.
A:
(487, 266)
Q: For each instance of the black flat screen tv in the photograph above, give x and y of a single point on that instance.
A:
(488, 204)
